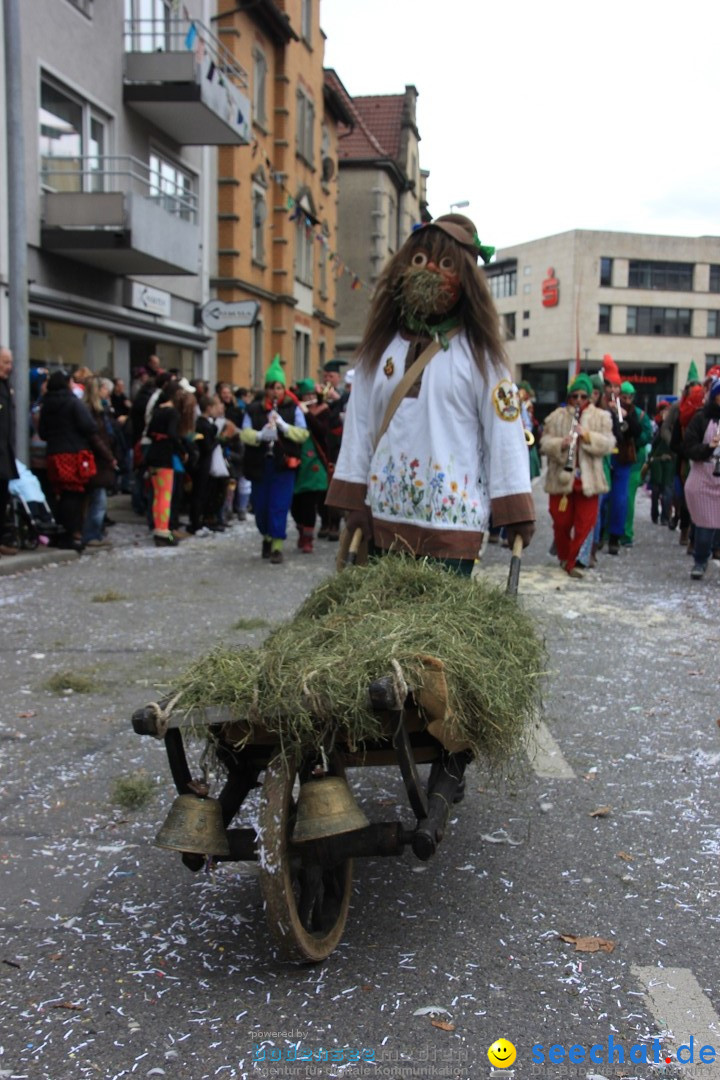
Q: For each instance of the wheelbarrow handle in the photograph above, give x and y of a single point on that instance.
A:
(515, 560)
(354, 547)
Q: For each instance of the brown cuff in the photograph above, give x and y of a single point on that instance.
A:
(510, 508)
(346, 495)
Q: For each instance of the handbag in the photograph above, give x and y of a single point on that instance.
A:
(86, 466)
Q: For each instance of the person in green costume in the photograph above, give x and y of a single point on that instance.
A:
(642, 442)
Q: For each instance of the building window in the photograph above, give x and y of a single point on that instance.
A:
(302, 355)
(256, 349)
(502, 284)
(306, 21)
(323, 260)
(674, 277)
(172, 187)
(666, 322)
(711, 360)
(713, 324)
(714, 279)
(526, 331)
(526, 314)
(305, 127)
(606, 266)
(527, 270)
(149, 26)
(73, 141)
(509, 320)
(259, 213)
(604, 319)
(527, 289)
(304, 249)
(259, 86)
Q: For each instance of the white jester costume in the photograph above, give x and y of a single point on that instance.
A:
(452, 455)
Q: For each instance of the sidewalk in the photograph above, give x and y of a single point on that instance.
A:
(119, 509)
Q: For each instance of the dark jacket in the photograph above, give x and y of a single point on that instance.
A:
(693, 446)
(164, 438)
(280, 450)
(104, 452)
(66, 423)
(8, 471)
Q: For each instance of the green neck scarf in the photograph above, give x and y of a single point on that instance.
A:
(435, 331)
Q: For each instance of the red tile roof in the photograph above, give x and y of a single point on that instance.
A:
(378, 124)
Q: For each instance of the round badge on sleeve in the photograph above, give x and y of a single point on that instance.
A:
(506, 400)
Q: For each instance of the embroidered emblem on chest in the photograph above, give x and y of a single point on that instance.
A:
(505, 400)
(389, 368)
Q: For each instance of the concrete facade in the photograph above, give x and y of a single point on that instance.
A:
(278, 204)
(591, 318)
(382, 196)
(108, 290)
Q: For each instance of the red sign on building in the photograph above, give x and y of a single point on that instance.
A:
(550, 289)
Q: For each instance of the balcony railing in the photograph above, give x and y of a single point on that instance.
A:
(93, 174)
(176, 35)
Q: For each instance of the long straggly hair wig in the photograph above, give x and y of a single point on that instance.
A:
(478, 317)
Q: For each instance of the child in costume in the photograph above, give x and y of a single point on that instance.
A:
(453, 451)
(273, 429)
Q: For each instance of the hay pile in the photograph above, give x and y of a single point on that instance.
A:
(309, 680)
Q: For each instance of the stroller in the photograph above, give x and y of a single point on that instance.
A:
(32, 517)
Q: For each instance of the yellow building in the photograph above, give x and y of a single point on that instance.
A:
(277, 200)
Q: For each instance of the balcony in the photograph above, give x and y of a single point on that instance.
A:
(182, 79)
(118, 214)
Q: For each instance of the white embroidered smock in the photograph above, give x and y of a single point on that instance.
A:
(449, 456)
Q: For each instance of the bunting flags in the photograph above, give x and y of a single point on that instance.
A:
(297, 213)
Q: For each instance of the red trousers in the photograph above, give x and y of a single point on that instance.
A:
(573, 517)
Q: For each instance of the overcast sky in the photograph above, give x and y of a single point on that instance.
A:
(550, 115)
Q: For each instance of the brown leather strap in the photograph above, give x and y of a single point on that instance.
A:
(411, 375)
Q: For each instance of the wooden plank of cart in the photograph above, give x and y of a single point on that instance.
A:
(309, 827)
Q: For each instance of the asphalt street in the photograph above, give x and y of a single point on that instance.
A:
(116, 961)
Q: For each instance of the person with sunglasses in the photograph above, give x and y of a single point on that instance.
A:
(576, 438)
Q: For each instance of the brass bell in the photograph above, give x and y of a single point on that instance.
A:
(194, 825)
(325, 808)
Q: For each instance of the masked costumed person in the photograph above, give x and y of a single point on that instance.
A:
(627, 432)
(273, 430)
(424, 472)
(576, 438)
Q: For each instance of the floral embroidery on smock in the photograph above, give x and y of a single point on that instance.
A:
(426, 492)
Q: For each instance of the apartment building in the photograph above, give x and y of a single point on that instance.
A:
(382, 197)
(278, 203)
(124, 104)
(652, 302)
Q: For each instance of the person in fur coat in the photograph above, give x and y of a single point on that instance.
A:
(576, 438)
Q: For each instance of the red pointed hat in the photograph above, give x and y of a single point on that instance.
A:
(610, 370)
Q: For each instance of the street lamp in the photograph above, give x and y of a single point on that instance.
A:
(459, 205)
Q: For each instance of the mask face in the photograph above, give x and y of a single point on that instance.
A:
(429, 289)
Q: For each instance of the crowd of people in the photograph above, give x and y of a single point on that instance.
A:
(193, 459)
(431, 458)
(601, 448)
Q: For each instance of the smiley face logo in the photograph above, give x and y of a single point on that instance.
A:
(502, 1054)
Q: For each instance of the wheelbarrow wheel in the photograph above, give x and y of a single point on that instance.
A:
(306, 905)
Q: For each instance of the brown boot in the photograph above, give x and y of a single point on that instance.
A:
(305, 543)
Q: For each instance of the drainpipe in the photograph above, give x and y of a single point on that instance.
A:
(16, 226)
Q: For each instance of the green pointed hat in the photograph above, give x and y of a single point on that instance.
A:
(692, 375)
(275, 372)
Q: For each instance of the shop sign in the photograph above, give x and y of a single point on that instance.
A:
(154, 301)
(218, 315)
(550, 289)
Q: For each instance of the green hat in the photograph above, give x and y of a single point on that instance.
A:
(627, 388)
(305, 386)
(692, 375)
(597, 382)
(581, 382)
(334, 365)
(275, 372)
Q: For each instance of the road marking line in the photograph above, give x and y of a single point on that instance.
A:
(676, 1000)
(545, 755)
